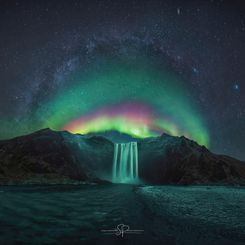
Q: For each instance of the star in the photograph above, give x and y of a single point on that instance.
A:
(178, 11)
(236, 87)
(195, 70)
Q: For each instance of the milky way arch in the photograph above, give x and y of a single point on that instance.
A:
(127, 85)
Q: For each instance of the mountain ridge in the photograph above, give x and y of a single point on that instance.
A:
(48, 156)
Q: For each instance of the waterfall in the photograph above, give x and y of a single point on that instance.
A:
(125, 163)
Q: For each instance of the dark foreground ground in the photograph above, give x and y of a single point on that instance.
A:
(166, 214)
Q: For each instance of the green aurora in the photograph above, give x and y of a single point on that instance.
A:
(169, 106)
(141, 99)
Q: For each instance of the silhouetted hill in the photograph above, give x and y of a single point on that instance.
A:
(169, 159)
(48, 156)
(114, 136)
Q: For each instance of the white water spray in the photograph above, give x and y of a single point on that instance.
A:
(125, 163)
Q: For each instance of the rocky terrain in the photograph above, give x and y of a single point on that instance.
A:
(178, 160)
(50, 157)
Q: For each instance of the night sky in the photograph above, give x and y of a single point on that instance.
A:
(139, 67)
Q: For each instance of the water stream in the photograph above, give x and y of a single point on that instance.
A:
(125, 163)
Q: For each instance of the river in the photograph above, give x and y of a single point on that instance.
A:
(81, 214)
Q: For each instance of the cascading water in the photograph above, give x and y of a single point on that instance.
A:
(125, 163)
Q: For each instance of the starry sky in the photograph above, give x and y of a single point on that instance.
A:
(139, 67)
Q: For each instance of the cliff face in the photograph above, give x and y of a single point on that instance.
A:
(47, 156)
(167, 159)
(54, 157)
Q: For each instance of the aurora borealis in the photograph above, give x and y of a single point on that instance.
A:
(130, 97)
(121, 100)
(142, 68)
(127, 90)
